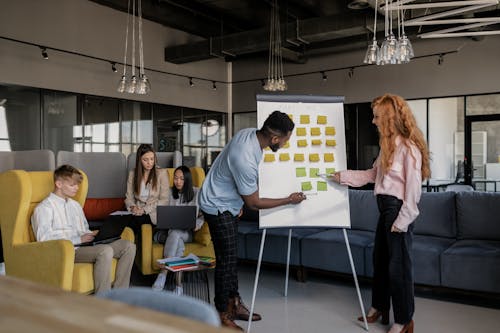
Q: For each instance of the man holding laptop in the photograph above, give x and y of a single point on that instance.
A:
(232, 181)
(60, 217)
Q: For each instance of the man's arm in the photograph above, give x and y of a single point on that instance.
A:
(254, 202)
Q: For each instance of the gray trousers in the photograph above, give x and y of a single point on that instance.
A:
(174, 245)
(101, 256)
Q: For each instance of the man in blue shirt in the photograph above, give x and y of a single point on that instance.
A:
(232, 181)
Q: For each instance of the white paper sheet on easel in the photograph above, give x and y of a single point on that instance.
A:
(316, 149)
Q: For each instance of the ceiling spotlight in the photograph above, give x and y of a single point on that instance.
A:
(324, 76)
(214, 87)
(45, 55)
(351, 72)
(113, 67)
(440, 59)
(191, 84)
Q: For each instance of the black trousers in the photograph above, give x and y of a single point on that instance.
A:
(223, 230)
(392, 263)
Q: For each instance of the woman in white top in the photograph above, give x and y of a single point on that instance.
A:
(183, 194)
(146, 188)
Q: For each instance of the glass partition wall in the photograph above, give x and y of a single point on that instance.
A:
(32, 118)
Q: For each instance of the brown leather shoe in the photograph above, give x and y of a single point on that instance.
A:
(241, 311)
(374, 317)
(227, 320)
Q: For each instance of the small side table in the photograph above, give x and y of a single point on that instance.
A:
(193, 282)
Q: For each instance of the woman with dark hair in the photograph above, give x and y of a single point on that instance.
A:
(146, 188)
(183, 194)
(398, 172)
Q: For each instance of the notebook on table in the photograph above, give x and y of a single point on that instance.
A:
(176, 217)
(109, 232)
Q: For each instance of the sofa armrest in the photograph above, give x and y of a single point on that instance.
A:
(128, 234)
(49, 262)
(146, 248)
(202, 236)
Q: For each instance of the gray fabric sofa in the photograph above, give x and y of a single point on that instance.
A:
(456, 241)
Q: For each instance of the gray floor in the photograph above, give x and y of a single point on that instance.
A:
(325, 304)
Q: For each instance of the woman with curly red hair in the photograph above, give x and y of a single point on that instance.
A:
(398, 172)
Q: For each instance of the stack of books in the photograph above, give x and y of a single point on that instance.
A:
(177, 264)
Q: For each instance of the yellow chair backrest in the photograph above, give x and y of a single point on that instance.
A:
(197, 173)
(22, 192)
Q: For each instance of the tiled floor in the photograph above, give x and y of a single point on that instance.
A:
(326, 304)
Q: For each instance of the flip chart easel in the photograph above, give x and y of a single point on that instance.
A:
(316, 147)
(259, 262)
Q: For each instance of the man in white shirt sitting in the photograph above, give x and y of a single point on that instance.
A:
(60, 217)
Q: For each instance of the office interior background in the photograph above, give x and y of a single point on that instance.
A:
(69, 102)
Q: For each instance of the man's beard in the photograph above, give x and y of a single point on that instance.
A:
(275, 147)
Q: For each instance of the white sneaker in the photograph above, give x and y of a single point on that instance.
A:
(159, 283)
(178, 290)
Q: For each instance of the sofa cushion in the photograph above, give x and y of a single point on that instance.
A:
(245, 227)
(100, 208)
(427, 252)
(477, 215)
(473, 265)
(363, 210)
(276, 244)
(437, 215)
(327, 250)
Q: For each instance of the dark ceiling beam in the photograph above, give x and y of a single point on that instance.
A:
(310, 30)
(171, 16)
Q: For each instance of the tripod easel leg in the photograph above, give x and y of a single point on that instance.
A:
(259, 262)
(355, 278)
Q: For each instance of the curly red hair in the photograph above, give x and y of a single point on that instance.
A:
(396, 118)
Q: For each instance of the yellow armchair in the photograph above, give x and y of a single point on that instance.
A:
(50, 262)
(150, 251)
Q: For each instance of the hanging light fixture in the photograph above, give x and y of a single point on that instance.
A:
(392, 50)
(275, 78)
(136, 84)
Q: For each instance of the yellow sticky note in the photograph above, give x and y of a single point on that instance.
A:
(290, 116)
(301, 143)
(314, 157)
(301, 131)
(313, 172)
(315, 131)
(287, 145)
(298, 157)
(316, 142)
(300, 172)
(268, 157)
(322, 120)
(331, 143)
(284, 157)
(304, 119)
(330, 130)
(329, 157)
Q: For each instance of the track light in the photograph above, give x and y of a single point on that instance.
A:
(45, 55)
(440, 59)
(351, 72)
(324, 76)
(113, 67)
(214, 87)
(191, 82)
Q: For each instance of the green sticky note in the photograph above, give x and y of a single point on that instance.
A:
(322, 186)
(313, 172)
(306, 186)
(300, 172)
(329, 171)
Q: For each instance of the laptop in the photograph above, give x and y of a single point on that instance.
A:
(109, 232)
(176, 217)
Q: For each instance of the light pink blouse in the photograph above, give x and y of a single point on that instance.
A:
(404, 180)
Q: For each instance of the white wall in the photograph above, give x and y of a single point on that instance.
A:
(88, 28)
(474, 69)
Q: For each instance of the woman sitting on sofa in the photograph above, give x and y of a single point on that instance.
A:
(146, 188)
(183, 194)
